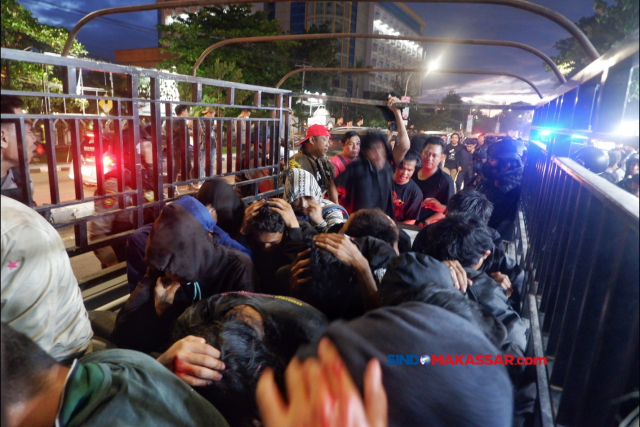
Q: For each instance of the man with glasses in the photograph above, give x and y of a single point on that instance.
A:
(437, 187)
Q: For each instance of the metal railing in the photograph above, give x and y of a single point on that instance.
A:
(226, 146)
(582, 264)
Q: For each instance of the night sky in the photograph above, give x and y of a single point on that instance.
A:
(137, 30)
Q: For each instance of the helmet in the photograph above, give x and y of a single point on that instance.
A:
(506, 149)
(592, 158)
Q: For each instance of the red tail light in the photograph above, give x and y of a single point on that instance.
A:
(108, 160)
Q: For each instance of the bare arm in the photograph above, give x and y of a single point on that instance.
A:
(402, 142)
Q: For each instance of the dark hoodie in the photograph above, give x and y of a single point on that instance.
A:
(229, 207)
(425, 395)
(179, 244)
(294, 322)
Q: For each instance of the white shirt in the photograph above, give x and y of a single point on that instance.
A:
(40, 295)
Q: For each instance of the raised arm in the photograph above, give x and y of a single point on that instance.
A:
(402, 143)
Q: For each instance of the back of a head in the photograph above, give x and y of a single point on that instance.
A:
(223, 198)
(506, 150)
(471, 202)
(331, 288)
(592, 158)
(245, 355)
(418, 142)
(8, 105)
(181, 108)
(267, 221)
(459, 237)
(614, 157)
(444, 395)
(373, 137)
(25, 367)
(374, 223)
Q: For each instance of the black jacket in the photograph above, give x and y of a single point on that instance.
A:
(425, 395)
(491, 296)
(179, 244)
(288, 323)
(268, 263)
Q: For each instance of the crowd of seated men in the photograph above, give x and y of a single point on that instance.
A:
(288, 312)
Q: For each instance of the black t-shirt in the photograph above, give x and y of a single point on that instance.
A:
(439, 186)
(452, 155)
(366, 187)
(406, 201)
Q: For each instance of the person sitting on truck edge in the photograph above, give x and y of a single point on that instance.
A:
(109, 387)
(312, 157)
(407, 196)
(301, 191)
(499, 264)
(184, 266)
(464, 242)
(40, 294)
(12, 180)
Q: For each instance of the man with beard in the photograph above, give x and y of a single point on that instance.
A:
(502, 184)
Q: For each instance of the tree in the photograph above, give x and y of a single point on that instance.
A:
(259, 63)
(610, 24)
(20, 30)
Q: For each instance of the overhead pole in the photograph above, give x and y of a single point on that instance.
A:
(409, 70)
(262, 39)
(537, 9)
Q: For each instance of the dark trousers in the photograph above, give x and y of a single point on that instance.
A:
(465, 177)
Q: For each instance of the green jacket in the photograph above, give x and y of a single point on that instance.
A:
(127, 388)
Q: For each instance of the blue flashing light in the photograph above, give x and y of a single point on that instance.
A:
(545, 133)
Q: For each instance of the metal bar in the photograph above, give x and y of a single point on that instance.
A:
(542, 382)
(77, 160)
(230, 146)
(135, 149)
(50, 145)
(407, 70)
(99, 155)
(38, 58)
(556, 17)
(447, 40)
(22, 159)
(156, 137)
(219, 136)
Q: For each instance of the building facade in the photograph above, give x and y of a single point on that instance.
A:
(370, 18)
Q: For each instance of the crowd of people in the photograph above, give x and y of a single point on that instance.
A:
(287, 312)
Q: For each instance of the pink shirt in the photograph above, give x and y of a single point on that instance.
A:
(339, 165)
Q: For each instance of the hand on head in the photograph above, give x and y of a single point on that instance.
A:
(321, 393)
(194, 361)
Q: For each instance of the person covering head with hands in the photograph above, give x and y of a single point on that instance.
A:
(275, 236)
(301, 191)
(312, 157)
(320, 392)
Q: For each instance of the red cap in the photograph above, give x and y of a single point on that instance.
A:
(314, 130)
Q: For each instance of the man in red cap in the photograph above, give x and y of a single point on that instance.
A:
(312, 157)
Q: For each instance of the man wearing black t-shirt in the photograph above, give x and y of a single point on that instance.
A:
(437, 187)
(451, 151)
(407, 196)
